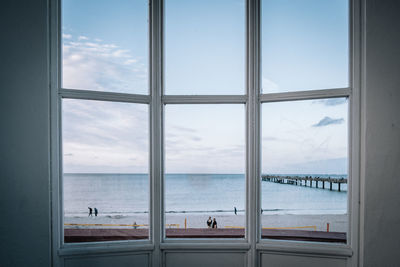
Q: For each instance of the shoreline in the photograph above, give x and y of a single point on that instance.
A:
(318, 222)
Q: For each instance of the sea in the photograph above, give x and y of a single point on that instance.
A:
(128, 194)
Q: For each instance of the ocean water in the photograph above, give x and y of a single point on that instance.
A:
(128, 194)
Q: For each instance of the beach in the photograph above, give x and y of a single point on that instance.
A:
(337, 222)
(123, 200)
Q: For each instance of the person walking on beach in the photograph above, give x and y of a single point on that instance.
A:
(95, 212)
(214, 223)
(235, 210)
(90, 211)
(209, 222)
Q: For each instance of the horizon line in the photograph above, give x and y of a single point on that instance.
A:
(205, 173)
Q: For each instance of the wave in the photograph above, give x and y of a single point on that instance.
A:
(124, 214)
(202, 211)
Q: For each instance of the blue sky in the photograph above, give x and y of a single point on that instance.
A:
(205, 47)
(304, 45)
(105, 48)
(105, 45)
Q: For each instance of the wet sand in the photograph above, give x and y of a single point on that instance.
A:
(337, 223)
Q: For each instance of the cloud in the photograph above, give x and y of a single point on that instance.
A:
(328, 121)
(105, 137)
(269, 85)
(80, 38)
(332, 101)
(206, 159)
(66, 36)
(102, 66)
(269, 138)
(183, 129)
(326, 166)
(130, 61)
(121, 53)
(191, 150)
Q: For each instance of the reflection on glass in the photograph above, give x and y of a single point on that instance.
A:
(204, 171)
(204, 47)
(304, 45)
(105, 165)
(304, 170)
(105, 45)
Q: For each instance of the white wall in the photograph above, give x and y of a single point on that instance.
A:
(24, 142)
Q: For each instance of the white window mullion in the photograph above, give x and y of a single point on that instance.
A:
(156, 195)
(305, 95)
(253, 128)
(104, 96)
(204, 99)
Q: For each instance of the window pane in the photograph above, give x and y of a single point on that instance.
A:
(105, 164)
(105, 45)
(204, 170)
(304, 45)
(204, 47)
(304, 153)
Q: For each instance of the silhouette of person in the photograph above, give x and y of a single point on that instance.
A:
(209, 222)
(235, 210)
(95, 212)
(214, 223)
(90, 211)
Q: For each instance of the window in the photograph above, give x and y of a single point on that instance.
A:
(204, 47)
(204, 170)
(304, 166)
(304, 169)
(105, 46)
(204, 145)
(105, 136)
(304, 45)
(171, 112)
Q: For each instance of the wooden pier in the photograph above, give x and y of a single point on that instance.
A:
(318, 182)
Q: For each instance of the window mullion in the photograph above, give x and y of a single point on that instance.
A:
(305, 95)
(156, 198)
(253, 109)
(204, 99)
(104, 96)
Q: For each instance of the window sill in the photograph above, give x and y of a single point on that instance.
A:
(315, 248)
(190, 245)
(101, 248)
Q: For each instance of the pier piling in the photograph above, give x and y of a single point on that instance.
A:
(298, 180)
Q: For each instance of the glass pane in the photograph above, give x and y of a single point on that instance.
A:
(304, 170)
(106, 170)
(105, 45)
(304, 45)
(204, 171)
(204, 47)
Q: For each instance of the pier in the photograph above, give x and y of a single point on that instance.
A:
(317, 182)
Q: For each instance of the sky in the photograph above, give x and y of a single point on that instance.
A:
(105, 48)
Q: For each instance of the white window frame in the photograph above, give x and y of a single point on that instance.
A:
(252, 244)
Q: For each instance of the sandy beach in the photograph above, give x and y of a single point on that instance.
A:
(337, 222)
